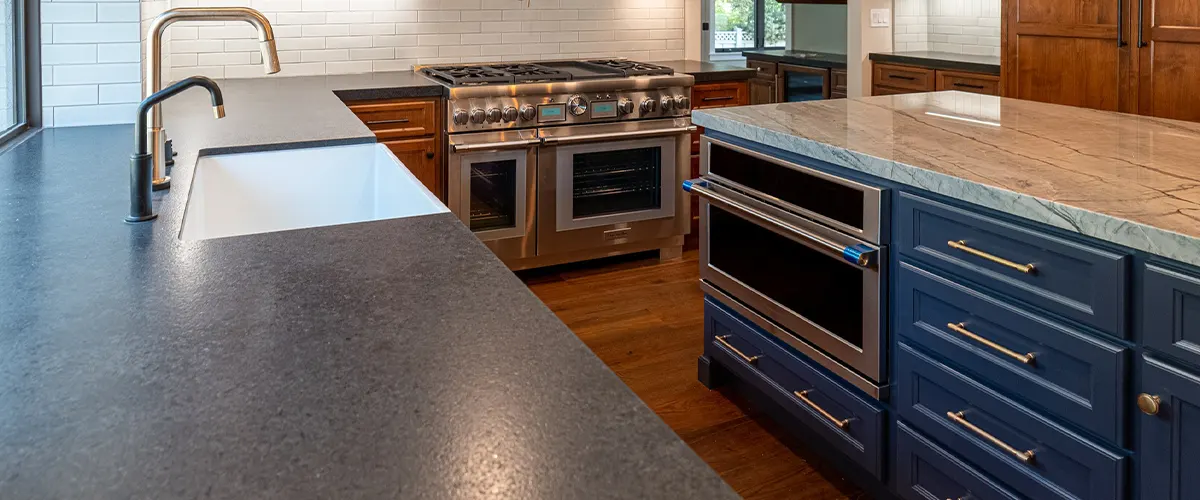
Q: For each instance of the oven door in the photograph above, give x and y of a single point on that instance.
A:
(819, 284)
(610, 184)
(492, 180)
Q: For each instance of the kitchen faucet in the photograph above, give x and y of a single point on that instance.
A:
(153, 79)
(141, 162)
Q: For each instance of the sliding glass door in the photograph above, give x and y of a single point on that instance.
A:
(739, 25)
(14, 40)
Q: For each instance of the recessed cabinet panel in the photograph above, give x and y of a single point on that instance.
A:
(1171, 319)
(1169, 449)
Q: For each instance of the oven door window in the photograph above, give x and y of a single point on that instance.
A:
(606, 183)
(496, 193)
(826, 292)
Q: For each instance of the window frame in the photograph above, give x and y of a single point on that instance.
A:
(27, 54)
(760, 29)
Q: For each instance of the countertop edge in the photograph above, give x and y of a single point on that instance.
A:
(1135, 235)
(936, 63)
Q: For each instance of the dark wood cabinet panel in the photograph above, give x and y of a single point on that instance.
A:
(1169, 56)
(763, 90)
(422, 157)
(720, 95)
(1069, 52)
(903, 77)
(399, 119)
(968, 82)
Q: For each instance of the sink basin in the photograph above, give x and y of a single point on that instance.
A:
(249, 193)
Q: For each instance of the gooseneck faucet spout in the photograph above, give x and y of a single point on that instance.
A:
(153, 79)
(141, 162)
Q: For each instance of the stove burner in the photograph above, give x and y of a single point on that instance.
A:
(531, 73)
(468, 75)
(634, 68)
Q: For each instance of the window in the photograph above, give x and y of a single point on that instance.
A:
(747, 24)
(14, 42)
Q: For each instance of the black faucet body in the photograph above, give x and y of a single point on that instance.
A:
(141, 164)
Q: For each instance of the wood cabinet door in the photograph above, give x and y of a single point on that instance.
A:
(1168, 447)
(1169, 57)
(762, 90)
(1073, 52)
(423, 159)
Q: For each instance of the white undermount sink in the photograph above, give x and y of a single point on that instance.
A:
(248, 193)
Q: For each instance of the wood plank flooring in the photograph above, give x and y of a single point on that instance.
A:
(645, 320)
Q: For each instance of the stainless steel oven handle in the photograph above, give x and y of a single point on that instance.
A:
(637, 134)
(859, 255)
(495, 145)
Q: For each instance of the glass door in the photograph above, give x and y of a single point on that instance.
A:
(608, 182)
(801, 83)
(496, 195)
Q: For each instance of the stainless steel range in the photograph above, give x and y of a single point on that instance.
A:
(562, 161)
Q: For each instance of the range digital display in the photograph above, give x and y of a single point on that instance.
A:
(552, 113)
(604, 109)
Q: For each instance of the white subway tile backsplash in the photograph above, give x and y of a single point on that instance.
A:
(116, 93)
(69, 54)
(96, 32)
(69, 95)
(102, 114)
(960, 26)
(59, 12)
(75, 74)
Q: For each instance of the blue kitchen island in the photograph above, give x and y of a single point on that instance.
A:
(961, 296)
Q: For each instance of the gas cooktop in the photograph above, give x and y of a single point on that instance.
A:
(545, 71)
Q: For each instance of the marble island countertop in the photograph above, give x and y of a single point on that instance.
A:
(1126, 179)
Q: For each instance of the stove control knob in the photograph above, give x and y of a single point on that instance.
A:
(667, 104)
(528, 113)
(477, 116)
(682, 102)
(493, 115)
(625, 106)
(460, 117)
(577, 105)
(649, 106)
(510, 114)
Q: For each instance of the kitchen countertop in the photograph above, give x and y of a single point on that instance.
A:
(1127, 179)
(799, 58)
(388, 359)
(711, 72)
(942, 60)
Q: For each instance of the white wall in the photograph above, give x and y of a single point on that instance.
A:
(90, 62)
(862, 40)
(957, 26)
(357, 36)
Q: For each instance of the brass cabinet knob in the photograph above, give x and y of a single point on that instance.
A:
(1148, 404)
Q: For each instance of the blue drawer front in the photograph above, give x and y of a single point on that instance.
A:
(1076, 377)
(1078, 282)
(1064, 464)
(1171, 323)
(925, 471)
(780, 374)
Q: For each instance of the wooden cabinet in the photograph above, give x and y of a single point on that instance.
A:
(711, 95)
(1168, 57)
(412, 130)
(1097, 55)
(1169, 415)
(891, 79)
(422, 158)
(764, 88)
(840, 83)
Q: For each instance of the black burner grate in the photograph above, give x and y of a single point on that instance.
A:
(553, 71)
(634, 68)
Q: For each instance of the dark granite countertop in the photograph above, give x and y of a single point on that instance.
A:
(711, 72)
(799, 58)
(942, 60)
(388, 359)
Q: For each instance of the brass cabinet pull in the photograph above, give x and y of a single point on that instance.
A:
(962, 245)
(1149, 404)
(748, 359)
(961, 329)
(1026, 457)
(803, 395)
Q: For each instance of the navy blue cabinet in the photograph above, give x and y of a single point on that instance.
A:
(849, 421)
(1076, 377)
(925, 471)
(1169, 447)
(1171, 313)
(1079, 282)
(1026, 452)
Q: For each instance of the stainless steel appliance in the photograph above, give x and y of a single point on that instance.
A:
(560, 161)
(797, 251)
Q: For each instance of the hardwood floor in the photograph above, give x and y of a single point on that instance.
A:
(645, 320)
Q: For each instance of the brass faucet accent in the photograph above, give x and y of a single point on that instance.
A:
(153, 81)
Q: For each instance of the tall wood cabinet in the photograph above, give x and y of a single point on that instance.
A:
(1095, 54)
